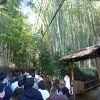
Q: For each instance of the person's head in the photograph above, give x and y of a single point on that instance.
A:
(62, 84)
(17, 77)
(28, 83)
(2, 76)
(56, 83)
(20, 82)
(41, 85)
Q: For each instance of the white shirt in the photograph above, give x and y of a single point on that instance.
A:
(38, 78)
(14, 86)
(67, 79)
(45, 94)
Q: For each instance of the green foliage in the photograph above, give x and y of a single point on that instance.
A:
(58, 67)
(44, 58)
(89, 72)
(2, 2)
(16, 34)
(75, 26)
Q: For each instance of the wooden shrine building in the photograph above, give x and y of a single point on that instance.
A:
(92, 52)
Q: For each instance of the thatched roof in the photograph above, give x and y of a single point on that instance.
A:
(83, 54)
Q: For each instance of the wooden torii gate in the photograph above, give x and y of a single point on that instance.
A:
(92, 52)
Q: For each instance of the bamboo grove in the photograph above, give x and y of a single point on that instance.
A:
(61, 26)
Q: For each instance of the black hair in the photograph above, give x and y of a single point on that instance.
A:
(20, 82)
(2, 76)
(28, 83)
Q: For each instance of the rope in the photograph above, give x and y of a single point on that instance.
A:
(53, 17)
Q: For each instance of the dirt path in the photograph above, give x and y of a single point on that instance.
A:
(90, 95)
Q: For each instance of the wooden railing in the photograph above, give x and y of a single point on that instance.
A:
(83, 86)
(91, 84)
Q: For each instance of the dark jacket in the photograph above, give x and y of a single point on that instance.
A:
(65, 91)
(31, 94)
(57, 97)
(8, 93)
(17, 93)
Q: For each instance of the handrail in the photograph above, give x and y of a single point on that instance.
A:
(90, 81)
(92, 87)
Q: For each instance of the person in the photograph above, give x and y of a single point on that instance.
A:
(55, 96)
(48, 83)
(14, 85)
(29, 92)
(63, 90)
(2, 92)
(42, 89)
(19, 90)
(55, 85)
(38, 77)
(6, 89)
(67, 80)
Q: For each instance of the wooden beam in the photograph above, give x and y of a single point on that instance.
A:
(71, 64)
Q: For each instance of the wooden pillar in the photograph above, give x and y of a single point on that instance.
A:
(97, 59)
(73, 81)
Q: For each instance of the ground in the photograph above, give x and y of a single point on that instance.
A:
(93, 94)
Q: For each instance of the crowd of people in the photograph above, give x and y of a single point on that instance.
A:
(25, 86)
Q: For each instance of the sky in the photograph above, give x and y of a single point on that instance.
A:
(97, 4)
(27, 10)
(32, 17)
